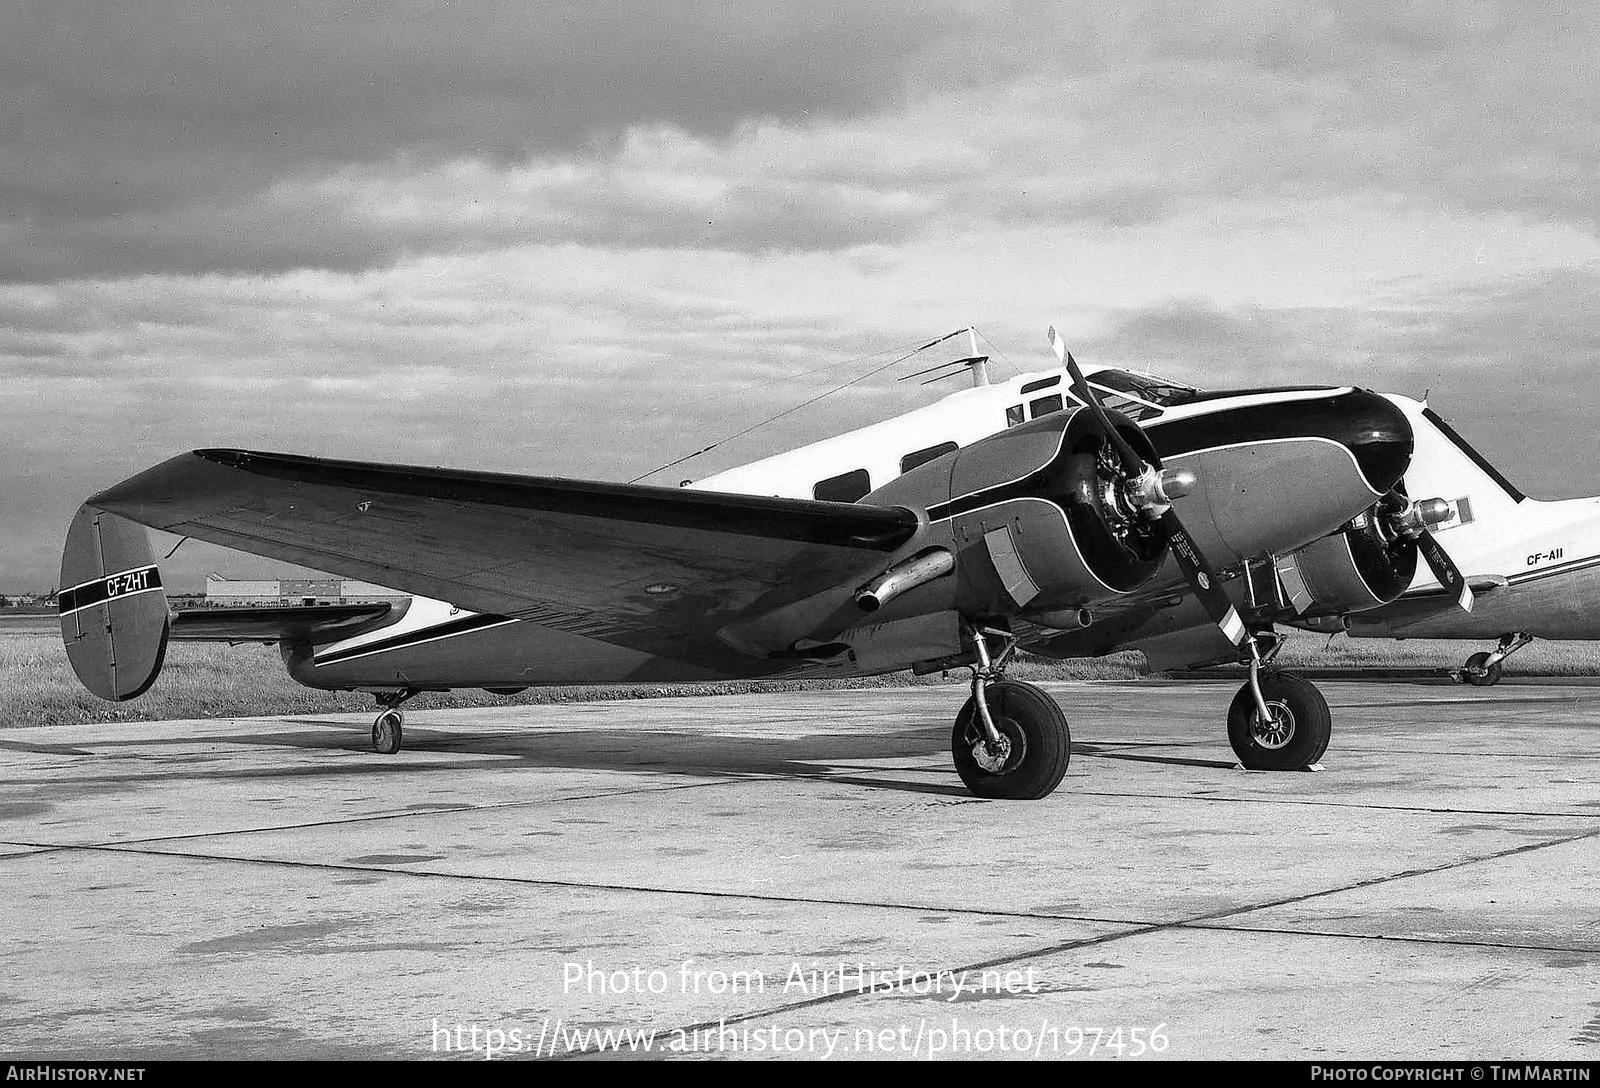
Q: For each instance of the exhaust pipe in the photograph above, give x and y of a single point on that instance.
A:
(920, 569)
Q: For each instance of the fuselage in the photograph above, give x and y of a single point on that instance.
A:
(1276, 468)
(1537, 562)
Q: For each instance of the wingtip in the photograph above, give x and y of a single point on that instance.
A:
(150, 497)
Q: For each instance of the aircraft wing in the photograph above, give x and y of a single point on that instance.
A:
(1410, 607)
(655, 569)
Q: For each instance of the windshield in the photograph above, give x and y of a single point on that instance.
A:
(1139, 396)
(1145, 387)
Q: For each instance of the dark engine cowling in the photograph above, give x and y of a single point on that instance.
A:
(1368, 563)
(1036, 516)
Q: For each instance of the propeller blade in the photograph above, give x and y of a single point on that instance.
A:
(1413, 519)
(1202, 578)
(1132, 463)
(1445, 569)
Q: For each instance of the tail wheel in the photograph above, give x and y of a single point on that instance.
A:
(1293, 738)
(1035, 744)
(1479, 673)
(388, 733)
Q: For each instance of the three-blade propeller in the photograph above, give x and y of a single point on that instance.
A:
(1413, 519)
(1202, 577)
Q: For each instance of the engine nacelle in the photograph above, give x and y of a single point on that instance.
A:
(1356, 569)
(1372, 560)
(1037, 517)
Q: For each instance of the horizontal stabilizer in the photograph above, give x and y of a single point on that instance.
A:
(113, 608)
(296, 623)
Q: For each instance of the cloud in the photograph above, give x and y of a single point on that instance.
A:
(661, 189)
(140, 106)
(561, 361)
(141, 139)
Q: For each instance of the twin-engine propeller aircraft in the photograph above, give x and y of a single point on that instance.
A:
(1054, 513)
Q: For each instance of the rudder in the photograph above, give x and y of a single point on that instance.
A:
(113, 608)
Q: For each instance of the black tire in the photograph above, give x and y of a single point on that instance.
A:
(1475, 673)
(1038, 744)
(1291, 746)
(388, 733)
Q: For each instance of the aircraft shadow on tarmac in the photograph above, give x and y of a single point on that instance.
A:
(812, 756)
(1106, 752)
(830, 757)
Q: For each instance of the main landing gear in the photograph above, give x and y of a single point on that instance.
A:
(1010, 740)
(388, 729)
(1483, 670)
(1277, 721)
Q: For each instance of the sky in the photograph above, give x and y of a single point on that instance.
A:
(583, 239)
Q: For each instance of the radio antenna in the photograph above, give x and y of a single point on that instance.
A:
(779, 415)
(979, 363)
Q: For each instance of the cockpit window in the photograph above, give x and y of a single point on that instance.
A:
(1145, 387)
(1138, 396)
(1136, 410)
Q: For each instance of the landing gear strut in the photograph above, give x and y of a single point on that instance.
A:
(1482, 670)
(1278, 721)
(388, 729)
(1010, 740)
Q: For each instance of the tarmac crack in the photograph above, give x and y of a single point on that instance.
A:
(1199, 922)
(1138, 925)
(1398, 938)
(1431, 810)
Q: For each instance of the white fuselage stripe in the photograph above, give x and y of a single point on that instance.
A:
(345, 656)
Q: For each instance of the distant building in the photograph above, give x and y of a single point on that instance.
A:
(296, 591)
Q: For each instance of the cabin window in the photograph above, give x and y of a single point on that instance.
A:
(845, 487)
(922, 457)
(1013, 415)
(1042, 383)
(1045, 405)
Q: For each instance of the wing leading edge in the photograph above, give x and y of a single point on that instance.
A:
(654, 569)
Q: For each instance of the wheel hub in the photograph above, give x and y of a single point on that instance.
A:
(1276, 732)
(992, 757)
(1002, 757)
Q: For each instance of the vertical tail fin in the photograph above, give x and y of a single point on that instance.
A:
(113, 608)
